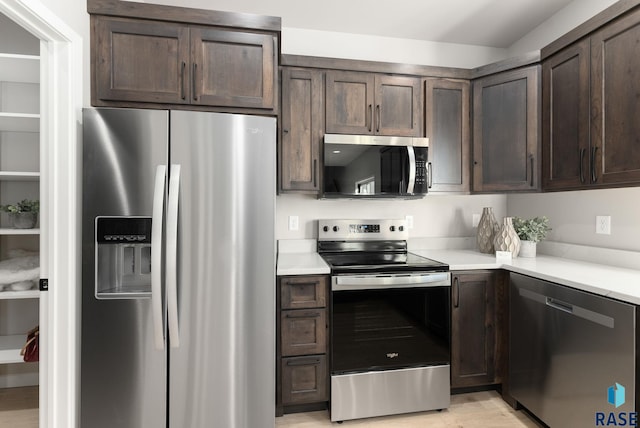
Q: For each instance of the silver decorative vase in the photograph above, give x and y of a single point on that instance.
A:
(507, 239)
(487, 228)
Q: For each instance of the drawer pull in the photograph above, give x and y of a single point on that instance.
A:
(303, 362)
(305, 315)
(293, 284)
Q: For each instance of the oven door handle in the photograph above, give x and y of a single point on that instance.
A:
(368, 282)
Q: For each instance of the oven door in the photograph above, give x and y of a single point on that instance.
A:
(390, 347)
(382, 322)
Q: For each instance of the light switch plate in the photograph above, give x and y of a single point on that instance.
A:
(476, 220)
(603, 224)
(293, 222)
(409, 219)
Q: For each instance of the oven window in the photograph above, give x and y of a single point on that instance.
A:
(389, 329)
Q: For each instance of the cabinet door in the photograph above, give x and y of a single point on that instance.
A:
(302, 129)
(140, 61)
(349, 100)
(397, 106)
(301, 292)
(304, 380)
(505, 131)
(232, 68)
(615, 102)
(447, 127)
(473, 329)
(303, 332)
(565, 118)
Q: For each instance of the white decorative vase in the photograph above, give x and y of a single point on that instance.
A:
(487, 228)
(528, 248)
(507, 239)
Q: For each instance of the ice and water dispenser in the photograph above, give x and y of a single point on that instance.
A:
(123, 257)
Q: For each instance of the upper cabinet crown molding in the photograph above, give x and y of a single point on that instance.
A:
(184, 14)
(153, 56)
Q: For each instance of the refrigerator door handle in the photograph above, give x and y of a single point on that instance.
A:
(172, 256)
(156, 256)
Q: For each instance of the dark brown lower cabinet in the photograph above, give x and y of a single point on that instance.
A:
(478, 328)
(304, 379)
(302, 372)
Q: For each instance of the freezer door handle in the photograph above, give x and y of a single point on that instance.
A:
(156, 256)
(172, 256)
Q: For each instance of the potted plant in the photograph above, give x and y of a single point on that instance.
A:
(24, 214)
(530, 231)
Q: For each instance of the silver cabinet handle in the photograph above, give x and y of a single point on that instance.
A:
(156, 256)
(582, 151)
(594, 176)
(172, 256)
(370, 117)
(378, 119)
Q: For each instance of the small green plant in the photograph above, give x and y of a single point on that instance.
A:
(532, 229)
(24, 206)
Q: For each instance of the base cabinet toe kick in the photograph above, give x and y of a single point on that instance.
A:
(363, 395)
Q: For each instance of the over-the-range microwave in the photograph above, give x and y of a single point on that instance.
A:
(372, 166)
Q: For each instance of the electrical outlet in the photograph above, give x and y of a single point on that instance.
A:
(293, 222)
(476, 220)
(409, 219)
(603, 224)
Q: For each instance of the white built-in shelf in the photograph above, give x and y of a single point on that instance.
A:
(19, 68)
(12, 295)
(10, 347)
(13, 231)
(19, 122)
(19, 176)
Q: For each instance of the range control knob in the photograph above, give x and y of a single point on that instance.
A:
(325, 228)
(392, 228)
(336, 228)
(401, 228)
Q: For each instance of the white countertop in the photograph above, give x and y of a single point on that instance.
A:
(615, 282)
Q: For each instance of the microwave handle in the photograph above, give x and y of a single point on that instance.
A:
(412, 169)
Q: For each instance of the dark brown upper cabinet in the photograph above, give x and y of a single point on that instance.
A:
(371, 104)
(506, 123)
(566, 158)
(302, 129)
(145, 61)
(141, 61)
(232, 68)
(447, 125)
(615, 103)
(591, 132)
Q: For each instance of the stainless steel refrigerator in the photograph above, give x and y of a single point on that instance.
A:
(178, 281)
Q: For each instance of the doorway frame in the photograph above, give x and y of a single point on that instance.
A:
(60, 189)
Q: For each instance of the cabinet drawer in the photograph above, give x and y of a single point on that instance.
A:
(304, 379)
(303, 332)
(304, 292)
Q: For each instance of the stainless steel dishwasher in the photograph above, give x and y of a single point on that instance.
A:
(566, 349)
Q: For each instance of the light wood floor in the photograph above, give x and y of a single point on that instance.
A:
(474, 410)
(19, 407)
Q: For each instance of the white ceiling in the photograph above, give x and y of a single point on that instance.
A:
(493, 23)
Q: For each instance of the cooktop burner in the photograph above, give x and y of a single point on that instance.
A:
(364, 262)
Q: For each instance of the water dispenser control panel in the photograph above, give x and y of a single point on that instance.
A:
(123, 257)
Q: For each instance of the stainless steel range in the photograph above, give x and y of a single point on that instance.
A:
(390, 322)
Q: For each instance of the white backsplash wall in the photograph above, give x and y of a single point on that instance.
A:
(433, 215)
(572, 215)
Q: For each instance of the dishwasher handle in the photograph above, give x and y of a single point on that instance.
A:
(559, 305)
